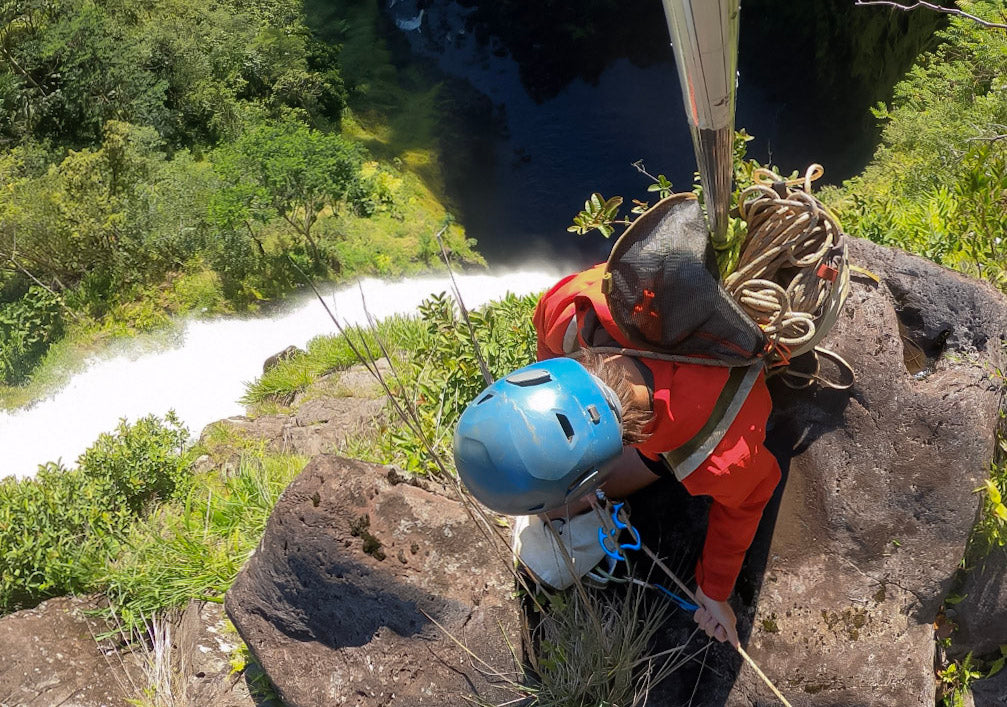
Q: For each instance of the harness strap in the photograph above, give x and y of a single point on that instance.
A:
(686, 459)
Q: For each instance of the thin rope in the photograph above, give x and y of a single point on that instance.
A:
(741, 651)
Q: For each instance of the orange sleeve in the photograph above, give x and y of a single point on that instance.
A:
(732, 525)
(741, 476)
(552, 317)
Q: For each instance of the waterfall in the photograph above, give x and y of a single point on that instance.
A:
(202, 375)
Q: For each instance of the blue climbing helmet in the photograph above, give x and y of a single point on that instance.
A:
(539, 438)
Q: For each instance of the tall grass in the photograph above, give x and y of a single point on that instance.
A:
(593, 648)
(326, 354)
(193, 547)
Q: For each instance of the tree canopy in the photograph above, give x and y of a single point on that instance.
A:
(188, 69)
(156, 155)
(286, 170)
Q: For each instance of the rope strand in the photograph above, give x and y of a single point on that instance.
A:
(777, 281)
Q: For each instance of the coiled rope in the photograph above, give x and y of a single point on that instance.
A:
(791, 276)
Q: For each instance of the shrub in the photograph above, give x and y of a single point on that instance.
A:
(139, 463)
(194, 545)
(27, 328)
(59, 529)
(442, 373)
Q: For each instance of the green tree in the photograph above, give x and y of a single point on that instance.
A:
(286, 171)
(73, 220)
(195, 72)
(937, 186)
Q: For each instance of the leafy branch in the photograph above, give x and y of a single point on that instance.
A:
(600, 213)
(661, 183)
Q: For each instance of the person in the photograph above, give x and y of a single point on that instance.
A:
(522, 454)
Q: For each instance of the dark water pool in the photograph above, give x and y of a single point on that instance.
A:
(570, 98)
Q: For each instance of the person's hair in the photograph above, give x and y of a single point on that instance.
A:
(634, 417)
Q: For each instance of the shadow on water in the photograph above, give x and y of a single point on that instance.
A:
(673, 524)
(551, 101)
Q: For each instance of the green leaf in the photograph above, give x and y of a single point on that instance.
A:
(1000, 511)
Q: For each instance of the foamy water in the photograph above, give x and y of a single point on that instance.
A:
(203, 377)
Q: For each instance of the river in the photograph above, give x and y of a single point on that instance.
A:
(202, 374)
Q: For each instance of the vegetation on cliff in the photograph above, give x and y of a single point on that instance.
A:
(185, 157)
(937, 185)
(136, 520)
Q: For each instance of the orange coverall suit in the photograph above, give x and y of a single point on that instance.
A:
(740, 475)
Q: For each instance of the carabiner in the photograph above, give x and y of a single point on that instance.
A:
(604, 537)
(636, 544)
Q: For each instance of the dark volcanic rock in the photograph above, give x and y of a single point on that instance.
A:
(991, 692)
(274, 360)
(844, 581)
(982, 614)
(879, 503)
(49, 656)
(340, 600)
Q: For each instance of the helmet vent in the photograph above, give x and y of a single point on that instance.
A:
(484, 399)
(564, 422)
(528, 378)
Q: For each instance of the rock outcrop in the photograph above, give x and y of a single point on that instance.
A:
(364, 590)
(280, 356)
(991, 692)
(850, 568)
(879, 500)
(981, 615)
(51, 656)
(322, 418)
(204, 649)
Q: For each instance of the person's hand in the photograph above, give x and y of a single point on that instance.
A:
(716, 618)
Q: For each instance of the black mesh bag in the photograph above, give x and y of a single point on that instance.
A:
(664, 293)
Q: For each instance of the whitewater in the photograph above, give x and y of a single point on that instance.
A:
(202, 374)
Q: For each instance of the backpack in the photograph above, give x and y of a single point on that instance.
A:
(664, 292)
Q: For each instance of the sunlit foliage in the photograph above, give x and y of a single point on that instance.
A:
(938, 185)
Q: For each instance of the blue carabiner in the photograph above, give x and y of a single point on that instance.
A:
(637, 543)
(683, 603)
(604, 537)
